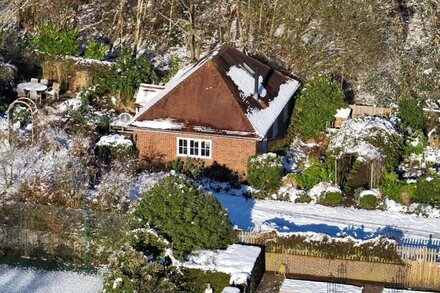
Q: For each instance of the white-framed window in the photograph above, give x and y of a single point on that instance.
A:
(196, 148)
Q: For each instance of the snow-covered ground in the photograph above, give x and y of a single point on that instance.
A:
(388, 290)
(237, 260)
(287, 217)
(25, 280)
(300, 286)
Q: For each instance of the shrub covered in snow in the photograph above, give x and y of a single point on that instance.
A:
(316, 106)
(185, 215)
(369, 138)
(265, 172)
(114, 146)
(380, 249)
(129, 270)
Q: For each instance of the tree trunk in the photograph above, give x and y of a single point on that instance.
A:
(139, 18)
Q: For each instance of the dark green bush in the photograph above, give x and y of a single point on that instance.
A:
(330, 199)
(303, 198)
(127, 73)
(95, 51)
(265, 172)
(196, 280)
(316, 106)
(396, 189)
(312, 175)
(411, 113)
(368, 201)
(221, 173)
(191, 167)
(185, 215)
(58, 41)
(428, 191)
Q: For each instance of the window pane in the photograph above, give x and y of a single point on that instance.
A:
(183, 147)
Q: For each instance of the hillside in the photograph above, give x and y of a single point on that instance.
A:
(378, 49)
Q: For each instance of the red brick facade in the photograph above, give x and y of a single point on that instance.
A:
(231, 151)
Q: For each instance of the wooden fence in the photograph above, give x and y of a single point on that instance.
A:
(256, 238)
(361, 111)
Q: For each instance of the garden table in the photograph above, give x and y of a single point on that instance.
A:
(32, 86)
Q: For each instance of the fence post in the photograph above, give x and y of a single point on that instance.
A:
(86, 240)
(21, 228)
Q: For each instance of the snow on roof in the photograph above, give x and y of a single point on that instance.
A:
(301, 286)
(114, 140)
(159, 124)
(146, 92)
(263, 119)
(246, 82)
(343, 113)
(237, 260)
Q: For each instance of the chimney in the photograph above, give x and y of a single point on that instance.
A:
(257, 83)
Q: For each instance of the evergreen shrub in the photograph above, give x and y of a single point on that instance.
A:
(411, 113)
(127, 73)
(368, 202)
(95, 51)
(312, 175)
(185, 215)
(58, 41)
(330, 198)
(265, 172)
(316, 106)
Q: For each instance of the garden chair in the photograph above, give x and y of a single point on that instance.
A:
(21, 93)
(44, 81)
(34, 80)
(33, 95)
(54, 91)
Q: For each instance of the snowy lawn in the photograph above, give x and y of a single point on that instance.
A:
(287, 217)
(300, 286)
(20, 279)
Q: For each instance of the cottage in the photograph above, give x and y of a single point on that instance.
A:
(225, 108)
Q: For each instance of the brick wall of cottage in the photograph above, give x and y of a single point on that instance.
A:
(233, 152)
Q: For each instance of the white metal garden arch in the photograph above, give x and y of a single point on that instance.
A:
(32, 109)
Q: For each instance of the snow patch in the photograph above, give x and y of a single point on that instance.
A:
(301, 286)
(246, 82)
(114, 140)
(237, 260)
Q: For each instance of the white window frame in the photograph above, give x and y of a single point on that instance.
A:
(188, 141)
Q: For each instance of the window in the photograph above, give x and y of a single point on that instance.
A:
(194, 147)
